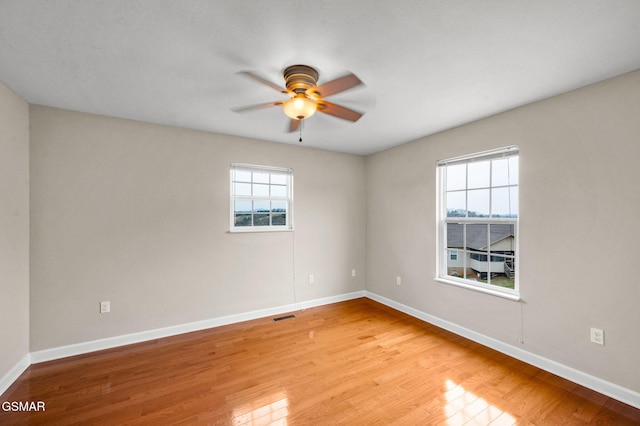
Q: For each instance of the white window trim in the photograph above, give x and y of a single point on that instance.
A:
(481, 288)
(441, 221)
(253, 229)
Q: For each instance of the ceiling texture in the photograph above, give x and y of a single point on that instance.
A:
(427, 65)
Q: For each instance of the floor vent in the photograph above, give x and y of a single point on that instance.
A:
(284, 317)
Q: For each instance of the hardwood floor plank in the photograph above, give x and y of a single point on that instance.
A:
(355, 363)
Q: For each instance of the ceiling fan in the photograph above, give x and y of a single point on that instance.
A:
(305, 96)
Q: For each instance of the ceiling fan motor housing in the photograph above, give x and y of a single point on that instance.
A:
(300, 78)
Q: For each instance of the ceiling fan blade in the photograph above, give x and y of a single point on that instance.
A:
(338, 85)
(262, 80)
(338, 111)
(294, 124)
(255, 107)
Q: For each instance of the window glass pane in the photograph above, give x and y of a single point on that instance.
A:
(242, 206)
(456, 177)
(279, 219)
(242, 189)
(501, 202)
(261, 219)
(513, 170)
(278, 191)
(242, 176)
(278, 206)
(453, 255)
(500, 272)
(514, 201)
(473, 275)
(261, 206)
(260, 190)
(456, 204)
(478, 203)
(455, 235)
(278, 179)
(242, 220)
(455, 266)
(476, 236)
(478, 174)
(261, 177)
(502, 238)
(500, 172)
(478, 266)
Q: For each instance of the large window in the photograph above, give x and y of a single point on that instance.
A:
(261, 198)
(478, 221)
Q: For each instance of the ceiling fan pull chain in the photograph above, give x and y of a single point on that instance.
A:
(301, 126)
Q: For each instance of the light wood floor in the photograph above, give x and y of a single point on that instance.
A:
(350, 363)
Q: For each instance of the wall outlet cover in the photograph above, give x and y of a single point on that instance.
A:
(597, 336)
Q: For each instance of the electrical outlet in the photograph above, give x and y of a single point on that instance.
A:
(353, 272)
(311, 279)
(398, 281)
(597, 336)
(105, 307)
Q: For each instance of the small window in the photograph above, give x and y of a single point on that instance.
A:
(261, 198)
(478, 221)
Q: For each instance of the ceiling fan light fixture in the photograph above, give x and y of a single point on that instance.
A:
(299, 107)
(306, 97)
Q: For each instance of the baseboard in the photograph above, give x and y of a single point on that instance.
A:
(612, 390)
(127, 339)
(15, 372)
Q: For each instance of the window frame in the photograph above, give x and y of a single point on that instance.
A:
(444, 252)
(288, 198)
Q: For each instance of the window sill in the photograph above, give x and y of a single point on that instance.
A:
(258, 230)
(510, 296)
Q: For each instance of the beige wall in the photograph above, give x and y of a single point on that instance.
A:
(138, 214)
(579, 199)
(14, 230)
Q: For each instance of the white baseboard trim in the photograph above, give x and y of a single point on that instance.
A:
(617, 392)
(612, 390)
(127, 339)
(15, 372)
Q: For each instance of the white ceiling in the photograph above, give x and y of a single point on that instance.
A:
(427, 65)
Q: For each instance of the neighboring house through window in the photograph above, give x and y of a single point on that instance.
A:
(261, 198)
(478, 221)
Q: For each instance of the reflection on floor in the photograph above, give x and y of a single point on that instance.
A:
(466, 408)
(273, 411)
